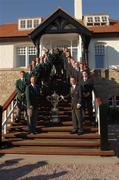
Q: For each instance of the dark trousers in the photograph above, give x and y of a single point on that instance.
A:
(77, 118)
(32, 118)
(21, 108)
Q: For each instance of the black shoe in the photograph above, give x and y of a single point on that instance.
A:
(74, 131)
(35, 132)
(80, 131)
(17, 121)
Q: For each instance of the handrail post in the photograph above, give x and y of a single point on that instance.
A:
(103, 108)
(1, 126)
(12, 115)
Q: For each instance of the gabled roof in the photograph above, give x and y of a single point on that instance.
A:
(59, 13)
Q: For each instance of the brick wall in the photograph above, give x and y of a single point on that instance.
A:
(7, 83)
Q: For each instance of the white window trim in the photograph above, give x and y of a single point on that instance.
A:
(26, 55)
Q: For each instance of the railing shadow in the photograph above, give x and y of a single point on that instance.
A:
(114, 138)
(19, 171)
(106, 85)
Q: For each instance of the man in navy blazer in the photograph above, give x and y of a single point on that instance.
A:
(32, 98)
(76, 100)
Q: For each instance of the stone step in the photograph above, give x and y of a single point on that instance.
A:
(52, 135)
(52, 129)
(55, 151)
(55, 143)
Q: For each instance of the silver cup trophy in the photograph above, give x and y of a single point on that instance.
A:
(55, 99)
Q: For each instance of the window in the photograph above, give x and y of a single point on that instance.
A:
(74, 53)
(21, 52)
(114, 101)
(74, 43)
(99, 55)
(110, 101)
(99, 49)
(29, 24)
(90, 19)
(117, 101)
(104, 19)
(31, 53)
(36, 23)
(97, 19)
(22, 24)
(25, 55)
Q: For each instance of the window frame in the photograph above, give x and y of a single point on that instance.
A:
(26, 54)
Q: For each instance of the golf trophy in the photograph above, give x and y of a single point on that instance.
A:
(55, 99)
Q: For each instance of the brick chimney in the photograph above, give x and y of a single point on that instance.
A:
(78, 9)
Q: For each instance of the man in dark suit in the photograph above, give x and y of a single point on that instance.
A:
(87, 87)
(32, 97)
(28, 74)
(76, 100)
(21, 99)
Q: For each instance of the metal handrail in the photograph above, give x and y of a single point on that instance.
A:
(96, 110)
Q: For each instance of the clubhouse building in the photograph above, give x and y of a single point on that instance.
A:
(93, 38)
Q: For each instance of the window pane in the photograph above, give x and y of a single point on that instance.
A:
(31, 57)
(104, 19)
(97, 19)
(99, 49)
(74, 43)
(61, 44)
(74, 54)
(117, 100)
(29, 23)
(31, 50)
(21, 50)
(20, 61)
(90, 20)
(111, 101)
(21, 55)
(36, 23)
(22, 24)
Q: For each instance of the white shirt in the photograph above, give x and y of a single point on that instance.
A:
(74, 85)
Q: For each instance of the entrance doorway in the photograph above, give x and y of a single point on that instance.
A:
(52, 41)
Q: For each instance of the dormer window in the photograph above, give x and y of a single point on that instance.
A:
(26, 24)
(96, 20)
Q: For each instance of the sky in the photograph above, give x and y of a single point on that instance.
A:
(11, 10)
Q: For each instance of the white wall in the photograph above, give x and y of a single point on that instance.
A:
(111, 52)
(6, 55)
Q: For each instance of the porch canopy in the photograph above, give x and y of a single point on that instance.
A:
(62, 30)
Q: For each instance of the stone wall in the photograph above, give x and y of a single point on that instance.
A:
(7, 83)
(106, 83)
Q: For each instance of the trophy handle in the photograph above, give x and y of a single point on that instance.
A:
(48, 98)
(61, 98)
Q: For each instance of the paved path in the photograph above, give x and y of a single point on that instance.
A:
(34, 167)
(26, 167)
